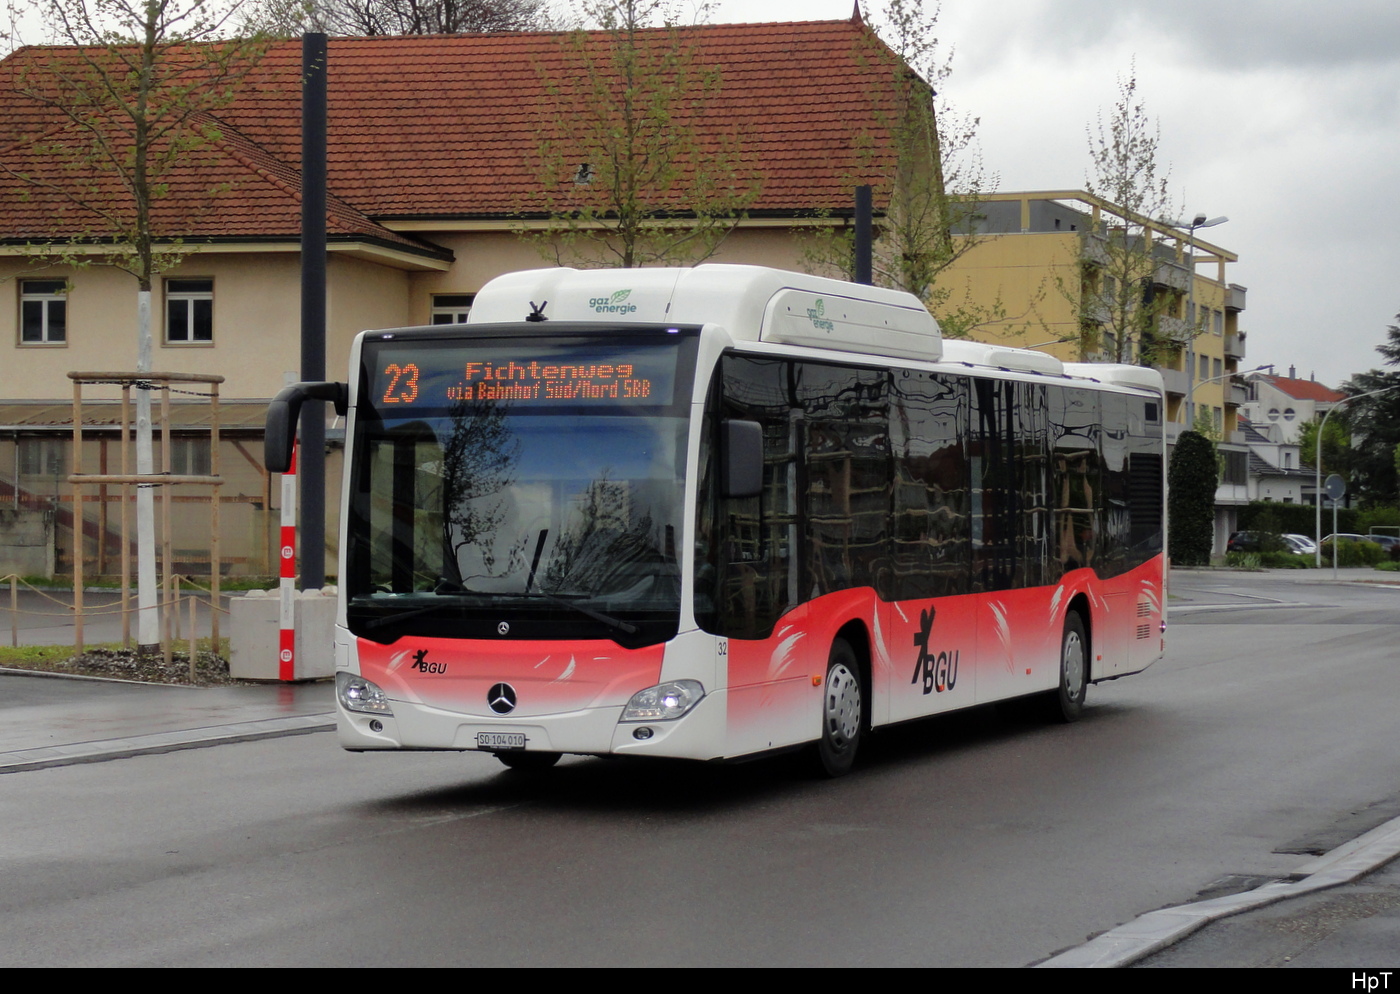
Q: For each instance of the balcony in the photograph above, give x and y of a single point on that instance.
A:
(1234, 346)
(1172, 275)
(1176, 329)
(1095, 248)
(1175, 381)
(1238, 395)
(1234, 298)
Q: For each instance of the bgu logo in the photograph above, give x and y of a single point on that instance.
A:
(421, 664)
(938, 671)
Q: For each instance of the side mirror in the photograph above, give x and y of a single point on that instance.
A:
(741, 458)
(280, 431)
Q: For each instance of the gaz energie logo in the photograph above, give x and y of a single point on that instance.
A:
(616, 304)
(818, 317)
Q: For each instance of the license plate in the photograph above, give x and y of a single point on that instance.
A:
(500, 740)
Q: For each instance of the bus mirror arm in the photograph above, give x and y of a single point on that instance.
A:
(282, 414)
(741, 455)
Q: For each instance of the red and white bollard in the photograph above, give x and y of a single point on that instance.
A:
(286, 643)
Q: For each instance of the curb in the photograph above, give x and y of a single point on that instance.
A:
(158, 742)
(1157, 930)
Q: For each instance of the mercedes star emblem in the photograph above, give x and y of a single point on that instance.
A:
(501, 698)
(503, 628)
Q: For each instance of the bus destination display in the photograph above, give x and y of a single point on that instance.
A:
(441, 377)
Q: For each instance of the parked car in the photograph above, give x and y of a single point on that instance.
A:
(1349, 537)
(1255, 542)
(1243, 542)
(1300, 545)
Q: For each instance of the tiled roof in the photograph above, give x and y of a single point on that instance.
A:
(452, 126)
(1303, 389)
(258, 197)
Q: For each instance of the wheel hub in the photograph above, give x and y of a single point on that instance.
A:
(842, 706)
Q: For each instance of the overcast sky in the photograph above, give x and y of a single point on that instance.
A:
(1283, 115)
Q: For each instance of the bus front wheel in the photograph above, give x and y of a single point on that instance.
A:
(843, 711)
(1067, 702)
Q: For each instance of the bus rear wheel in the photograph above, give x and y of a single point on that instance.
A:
(528, 762)
(1066, 703)
(843, 711)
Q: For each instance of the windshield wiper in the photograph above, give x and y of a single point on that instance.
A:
(389, 619)
(583, 609)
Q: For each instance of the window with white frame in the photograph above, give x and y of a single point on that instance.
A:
(451, 308)
(43, 312)
(189, 312)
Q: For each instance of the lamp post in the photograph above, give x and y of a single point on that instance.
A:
(1317, 471)
(1199, 221)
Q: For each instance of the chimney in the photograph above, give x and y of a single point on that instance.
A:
(1292, 372)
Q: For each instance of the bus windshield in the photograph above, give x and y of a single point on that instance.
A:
(528, 487)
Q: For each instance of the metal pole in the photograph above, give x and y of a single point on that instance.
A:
(167, 555)
(215, 549)
(313, 308)
(1335, 541)
(1191, 339)
(77, 517)
(864, 266)
(126, 517)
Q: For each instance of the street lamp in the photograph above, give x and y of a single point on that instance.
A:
(1317, 477)
(1199, 221)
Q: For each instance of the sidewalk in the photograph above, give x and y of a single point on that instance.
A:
(57, 721)
(1341, 909)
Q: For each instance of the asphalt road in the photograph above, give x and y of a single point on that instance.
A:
(974, 840)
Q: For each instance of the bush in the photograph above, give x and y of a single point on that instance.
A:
(1191, 481)
(1299, 519)
(1244, 560)
(1285, 560)
(1351, 553)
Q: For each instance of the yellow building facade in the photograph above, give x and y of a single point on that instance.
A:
(1033, 267)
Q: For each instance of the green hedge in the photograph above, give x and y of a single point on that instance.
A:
(1297, 519)
(1353, 553)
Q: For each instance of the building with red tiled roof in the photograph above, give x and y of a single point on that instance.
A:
(1279, 406)
(434, 170)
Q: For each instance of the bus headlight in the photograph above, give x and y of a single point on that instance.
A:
(358, 694)
(663, 702)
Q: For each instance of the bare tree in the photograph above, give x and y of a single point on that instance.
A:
(404, 17)
(630, 178)
(1118, 299)
(922, 157)
(119, 111)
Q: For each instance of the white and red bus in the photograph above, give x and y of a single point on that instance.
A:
(717, 512)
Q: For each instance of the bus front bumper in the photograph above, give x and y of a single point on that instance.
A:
(699, 734)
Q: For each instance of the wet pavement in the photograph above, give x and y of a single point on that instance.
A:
(1340, 910)
(55, 721)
